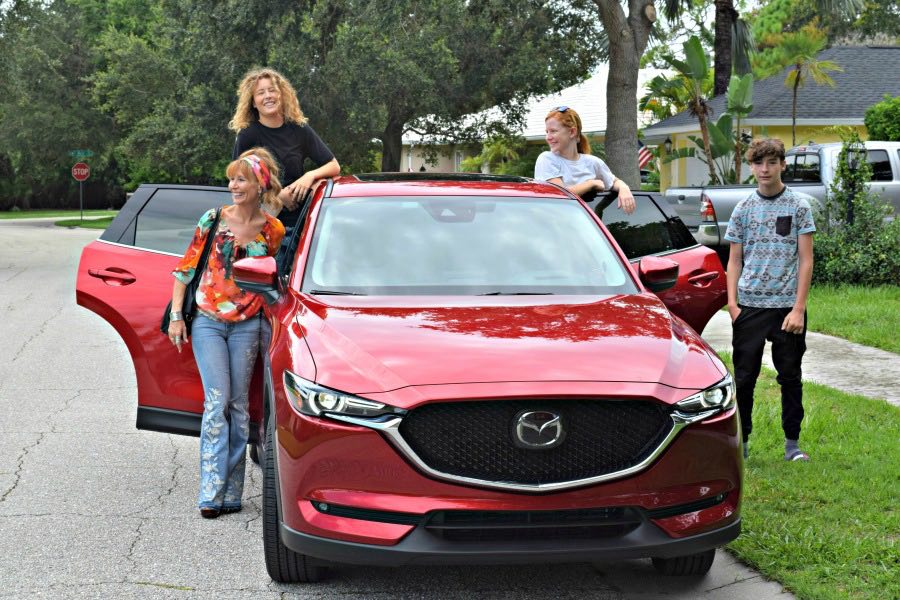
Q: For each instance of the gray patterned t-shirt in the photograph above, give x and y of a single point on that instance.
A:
(768, 228)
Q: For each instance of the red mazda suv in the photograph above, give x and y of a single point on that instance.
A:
(463, 369)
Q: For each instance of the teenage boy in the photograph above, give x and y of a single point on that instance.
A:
(769, 272)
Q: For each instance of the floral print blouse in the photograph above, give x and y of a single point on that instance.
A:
(218, 297)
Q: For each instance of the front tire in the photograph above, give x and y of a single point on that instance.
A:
(283, 564)
(692, 564)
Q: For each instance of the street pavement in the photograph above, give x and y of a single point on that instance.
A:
(90, 507)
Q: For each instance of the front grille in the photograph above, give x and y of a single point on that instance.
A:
(492, 526)
(475, 439)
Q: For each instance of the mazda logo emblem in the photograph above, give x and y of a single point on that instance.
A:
(538, 430)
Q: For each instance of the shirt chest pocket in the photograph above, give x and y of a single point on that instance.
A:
(783, 225)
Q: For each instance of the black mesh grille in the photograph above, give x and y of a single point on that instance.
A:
(475, 439)
(532, 525)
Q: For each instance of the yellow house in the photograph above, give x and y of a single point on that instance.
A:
(869, 72)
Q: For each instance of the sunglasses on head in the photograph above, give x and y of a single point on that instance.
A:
(561, 109)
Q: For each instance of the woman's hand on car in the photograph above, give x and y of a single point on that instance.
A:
(292, 194)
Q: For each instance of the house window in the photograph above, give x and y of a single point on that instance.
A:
(457, 162)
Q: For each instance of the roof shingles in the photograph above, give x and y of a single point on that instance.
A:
(869, 72)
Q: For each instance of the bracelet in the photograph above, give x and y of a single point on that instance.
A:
(176, 316)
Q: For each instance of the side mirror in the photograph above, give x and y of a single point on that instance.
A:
(657, 274)
(258, 274)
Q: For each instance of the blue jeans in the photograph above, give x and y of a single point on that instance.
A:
(225, 354)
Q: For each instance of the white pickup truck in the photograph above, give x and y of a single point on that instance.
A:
(810, 169)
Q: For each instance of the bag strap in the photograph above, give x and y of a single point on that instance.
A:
(207, 246)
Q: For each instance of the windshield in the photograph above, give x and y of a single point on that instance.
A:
(461, 245)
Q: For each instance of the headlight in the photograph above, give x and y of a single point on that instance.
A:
(315, 400)
(712, 400)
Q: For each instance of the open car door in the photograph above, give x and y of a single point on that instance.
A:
(125, 277)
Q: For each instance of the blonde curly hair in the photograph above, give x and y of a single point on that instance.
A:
(245, 113)
(269, 196)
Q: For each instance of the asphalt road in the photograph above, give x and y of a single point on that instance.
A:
(90, 507)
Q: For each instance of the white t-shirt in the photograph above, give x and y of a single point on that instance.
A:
(550, 166)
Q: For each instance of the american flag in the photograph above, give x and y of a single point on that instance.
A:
(644, 155)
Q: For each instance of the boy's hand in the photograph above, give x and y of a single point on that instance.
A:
(793, 322)
(734, 311)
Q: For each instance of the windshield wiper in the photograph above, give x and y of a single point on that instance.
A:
(517, 294)
(334, 293)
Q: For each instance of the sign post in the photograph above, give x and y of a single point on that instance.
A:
(81, 171)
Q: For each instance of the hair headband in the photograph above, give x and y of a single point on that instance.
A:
(259, 169)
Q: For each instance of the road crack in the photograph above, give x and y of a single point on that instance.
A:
(20, 466)
(41, 330)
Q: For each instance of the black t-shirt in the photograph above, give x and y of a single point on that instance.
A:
(291, 144)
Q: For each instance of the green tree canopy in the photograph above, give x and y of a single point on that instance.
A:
(150, 86)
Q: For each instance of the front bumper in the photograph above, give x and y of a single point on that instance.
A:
(422, 548)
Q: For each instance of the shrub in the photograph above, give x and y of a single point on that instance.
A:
(859, 247)
(883, 120)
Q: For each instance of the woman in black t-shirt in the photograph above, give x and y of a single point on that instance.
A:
(268, 115)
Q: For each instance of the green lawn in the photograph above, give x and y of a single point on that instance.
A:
(32, 214)
(92, 223)
(828, 528)
(865, 315)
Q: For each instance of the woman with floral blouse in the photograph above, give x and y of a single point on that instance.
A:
(226, 328)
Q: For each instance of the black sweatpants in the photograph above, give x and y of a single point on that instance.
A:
(750, 331)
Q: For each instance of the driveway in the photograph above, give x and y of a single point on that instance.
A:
(91, 507)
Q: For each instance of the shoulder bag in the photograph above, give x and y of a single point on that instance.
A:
(190, 294)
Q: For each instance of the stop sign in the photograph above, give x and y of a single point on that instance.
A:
(80, 171)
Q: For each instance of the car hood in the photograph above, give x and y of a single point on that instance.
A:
(373, 345)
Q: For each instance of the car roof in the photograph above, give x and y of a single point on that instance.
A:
(442, 184)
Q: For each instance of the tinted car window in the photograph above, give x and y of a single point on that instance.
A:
(802, 168)
(881, 166)
(461, 246)
(647, 230)
(790, 162)
(168, 220)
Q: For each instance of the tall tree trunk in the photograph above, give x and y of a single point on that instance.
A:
(628, 38)
(738, 146)
(707, 149)
(392, 143)
(726, 15)
(794, 110)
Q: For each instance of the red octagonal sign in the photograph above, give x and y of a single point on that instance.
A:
(80, 171)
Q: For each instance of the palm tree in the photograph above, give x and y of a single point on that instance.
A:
(666, 97)
(693, 71)
(734, 43)
(799, 50)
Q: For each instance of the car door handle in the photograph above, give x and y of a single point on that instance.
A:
(703, 279)
(113, 276)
